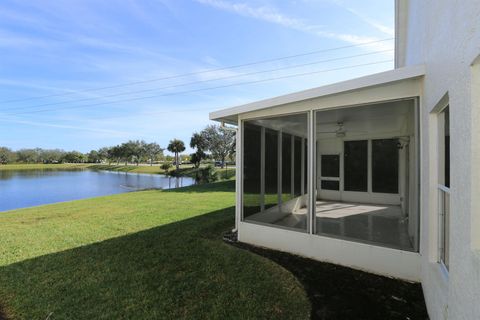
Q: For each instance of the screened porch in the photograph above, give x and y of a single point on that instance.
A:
(348, 173)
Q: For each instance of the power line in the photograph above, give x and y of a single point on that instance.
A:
(198, 82)
(200, 72)
(202, 89)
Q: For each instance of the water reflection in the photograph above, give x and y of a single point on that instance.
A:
(25, 188)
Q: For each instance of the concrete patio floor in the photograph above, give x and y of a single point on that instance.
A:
(371, 223)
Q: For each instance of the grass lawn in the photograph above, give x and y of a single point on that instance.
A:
(142, 255)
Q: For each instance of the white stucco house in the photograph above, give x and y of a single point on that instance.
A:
(379, 173)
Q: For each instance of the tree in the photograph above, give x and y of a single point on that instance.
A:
(198, 142)
(104, 154)
(128, 151)
(153, 151)
(176, 146)
(116, 153)
(6, 155)
(94, 157)
(219, 141)
(51, 155)
(74, 157)
(39, 155)
(195, 159)
(28, 155)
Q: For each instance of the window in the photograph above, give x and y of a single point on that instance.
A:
(330, 185)
(330, 165)
(385, 165)
(356, 165)
(330, 172)
(444, 186)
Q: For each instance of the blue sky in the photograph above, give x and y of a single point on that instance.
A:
(53, 53)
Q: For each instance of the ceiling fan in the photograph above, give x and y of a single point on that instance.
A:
(340, 132)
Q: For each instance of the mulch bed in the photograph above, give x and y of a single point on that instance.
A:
(338, 292)
(2, 314)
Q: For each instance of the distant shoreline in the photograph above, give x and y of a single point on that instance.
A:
(184, 171)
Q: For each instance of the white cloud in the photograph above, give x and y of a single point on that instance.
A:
(61, 126)
(272, 15)
(371, 22)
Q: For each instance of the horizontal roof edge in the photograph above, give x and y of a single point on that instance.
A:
(395, 75)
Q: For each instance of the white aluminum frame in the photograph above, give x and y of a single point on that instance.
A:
(373, 258)
(239, 171)
(443, 194)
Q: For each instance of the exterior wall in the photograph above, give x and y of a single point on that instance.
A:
(374, 259)
(444, 35)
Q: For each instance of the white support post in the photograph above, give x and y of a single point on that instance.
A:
(279, 170)
(262, 169)
(292, 166)
(417, 177)
(312, 173)
(369, 166)
(302, 187)
(239, 175)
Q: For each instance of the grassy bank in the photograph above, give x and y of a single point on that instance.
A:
(186, 170)
(143, 255)
(40, 166)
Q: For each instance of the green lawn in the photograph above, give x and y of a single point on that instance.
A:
(142, 255)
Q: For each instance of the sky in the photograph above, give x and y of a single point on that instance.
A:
(83, 74)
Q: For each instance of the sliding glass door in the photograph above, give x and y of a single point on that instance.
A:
(371, 167)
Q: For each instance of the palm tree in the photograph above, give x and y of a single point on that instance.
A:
(176, 146)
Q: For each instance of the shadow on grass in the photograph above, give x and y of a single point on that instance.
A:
(179, 270)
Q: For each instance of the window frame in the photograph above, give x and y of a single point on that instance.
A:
(443, 191)
(331, 178)
(304, 168)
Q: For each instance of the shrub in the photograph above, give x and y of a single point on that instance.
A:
(166, 166)
(206, 175)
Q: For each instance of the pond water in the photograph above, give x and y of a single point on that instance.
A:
(27, 188)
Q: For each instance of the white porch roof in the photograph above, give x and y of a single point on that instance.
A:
(230, 115)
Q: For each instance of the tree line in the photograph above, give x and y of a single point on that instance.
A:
(214, 142)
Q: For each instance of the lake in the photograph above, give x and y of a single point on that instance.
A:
(27, 188)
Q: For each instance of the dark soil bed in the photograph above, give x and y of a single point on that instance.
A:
(338, 292)
(2, 314)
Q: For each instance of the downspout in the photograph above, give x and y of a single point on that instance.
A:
(237, 162)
